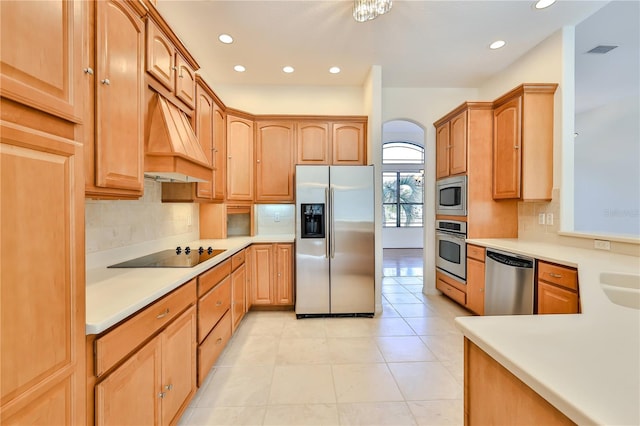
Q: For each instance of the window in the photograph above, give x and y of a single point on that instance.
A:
(402, 153)
(402, 198)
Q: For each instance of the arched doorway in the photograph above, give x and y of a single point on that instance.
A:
(403, 198)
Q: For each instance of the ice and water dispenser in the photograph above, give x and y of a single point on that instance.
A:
(312, 220)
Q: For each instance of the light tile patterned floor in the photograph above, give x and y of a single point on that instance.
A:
(403, 367)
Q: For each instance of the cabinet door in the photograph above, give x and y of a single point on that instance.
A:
(41, 62)
(312, 143)
(475, 286)
(284, 274)
(130, 395)
(239, 159)
(262, 274)
(238, 285)
(160, 56)
(185, 82)
(42, 311)
(507, 155)
(274, 161)
(204, 132)
(348, 144)
(458, 144)
(119, 150)
(442, 150)
(219, 153)
(178, 381)
(556, 300)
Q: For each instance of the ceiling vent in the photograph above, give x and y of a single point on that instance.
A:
(602, 49)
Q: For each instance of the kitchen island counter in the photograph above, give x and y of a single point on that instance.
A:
(113, 294)
(586, 365)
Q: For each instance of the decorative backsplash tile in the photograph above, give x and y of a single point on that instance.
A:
(112, 224)
(275, 219)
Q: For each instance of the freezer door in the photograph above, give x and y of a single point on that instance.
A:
(352, 239)
(312, 254)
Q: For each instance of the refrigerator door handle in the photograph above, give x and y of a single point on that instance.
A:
(326, 239)
(332, 239)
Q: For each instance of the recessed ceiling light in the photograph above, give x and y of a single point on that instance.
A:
(225, 38)
(288, 69)
(239, 68)
(541, 4)
(334, 70)
(497, 44)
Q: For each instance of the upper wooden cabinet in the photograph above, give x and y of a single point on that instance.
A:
(523, 143)
(167, 64)
(239, 158)
(348, 143)
(275, 160)
(327, 142)
(114, 149)
(451, 146)
(41, 58)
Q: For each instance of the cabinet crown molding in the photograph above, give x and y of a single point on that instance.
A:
(525, 88)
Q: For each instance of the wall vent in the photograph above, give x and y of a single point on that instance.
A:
(602, 49)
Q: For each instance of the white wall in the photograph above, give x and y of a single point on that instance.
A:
(403, 237)
(603, 203)
(299, 100)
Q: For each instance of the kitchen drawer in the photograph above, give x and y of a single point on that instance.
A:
(125, 337)
(212, 306)
(210, 349)
(475, 252)
(209, 279)
(558, 275)
(445, 285)
(237, 260)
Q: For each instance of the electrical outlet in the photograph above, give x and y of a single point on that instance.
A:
(549, 218)
(602, 244)
(541, 219)
(189, 220)
(276, 216)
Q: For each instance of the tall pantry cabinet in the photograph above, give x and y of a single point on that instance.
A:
(42, 308)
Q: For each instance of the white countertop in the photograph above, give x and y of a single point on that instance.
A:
(114, 294)
(587, 365)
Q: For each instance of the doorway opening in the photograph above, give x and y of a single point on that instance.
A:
(402, 199)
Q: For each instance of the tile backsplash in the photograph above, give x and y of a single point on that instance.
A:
(111, 224)
(275, 219)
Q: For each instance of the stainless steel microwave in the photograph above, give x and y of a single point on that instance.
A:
(451, 196)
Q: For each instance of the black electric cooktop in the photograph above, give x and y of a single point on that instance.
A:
(178, 258)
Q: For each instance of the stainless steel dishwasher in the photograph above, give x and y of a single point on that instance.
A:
(508, 284)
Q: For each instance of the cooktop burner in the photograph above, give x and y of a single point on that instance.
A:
(178, 258)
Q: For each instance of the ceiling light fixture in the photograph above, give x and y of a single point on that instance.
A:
(366, 10)
(334, 70)
(225, 38)
(288, 69)
(541, 4)
(239, 68)
(497, 44)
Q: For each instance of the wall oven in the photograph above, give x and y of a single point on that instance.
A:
(451, 196)
(451, 249)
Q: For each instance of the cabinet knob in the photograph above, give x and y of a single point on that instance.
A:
(106, 82)
(168, 387)
(257, 161)
(219, 303)
(229, 157)
(554, 275)
(516, 147)
(174, 68)
(88, 70)
(219, 340)
(181, 76)
(163, 314)
(161, 394)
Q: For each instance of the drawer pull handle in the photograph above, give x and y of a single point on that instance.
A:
(219, 340)
(168, 387)
(219, 303)
(554, 275)
(161, 394)
(164, 314)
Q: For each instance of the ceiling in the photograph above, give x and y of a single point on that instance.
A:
(417, 44)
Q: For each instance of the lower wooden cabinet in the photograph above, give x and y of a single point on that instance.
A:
(494, 396)
(155, 384)
(238, 289)
(475, 279)
(557, 289)
(272, 275)
(451, 288)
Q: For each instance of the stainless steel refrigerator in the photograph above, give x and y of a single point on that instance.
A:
(335, 260)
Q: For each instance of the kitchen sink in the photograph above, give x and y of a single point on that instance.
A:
(622, 289)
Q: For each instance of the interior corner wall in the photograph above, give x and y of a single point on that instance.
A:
(298, 100)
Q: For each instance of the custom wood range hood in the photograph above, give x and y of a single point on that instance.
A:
(172, 151)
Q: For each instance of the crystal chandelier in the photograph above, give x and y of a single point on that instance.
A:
(366, 10)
